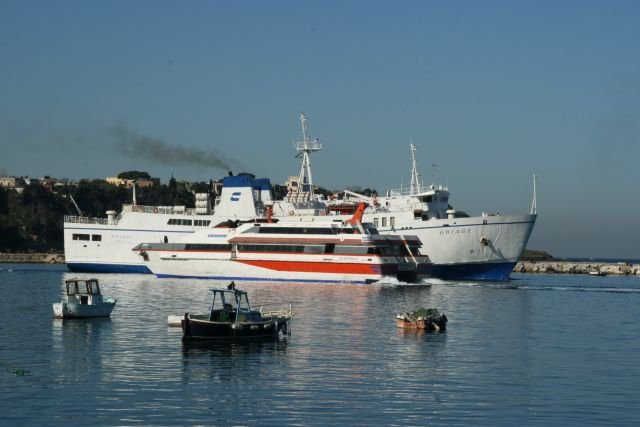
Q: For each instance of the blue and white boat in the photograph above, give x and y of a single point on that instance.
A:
(83, 300)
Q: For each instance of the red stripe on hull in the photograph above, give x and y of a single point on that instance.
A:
(308, 240)
(323, 267)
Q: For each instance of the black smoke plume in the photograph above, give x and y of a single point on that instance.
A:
(143, 147)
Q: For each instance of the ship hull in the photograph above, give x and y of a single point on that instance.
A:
(100, 267)
(472, 248)
(95, 247)
(167, 266)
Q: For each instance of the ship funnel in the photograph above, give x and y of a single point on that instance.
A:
(111, 215)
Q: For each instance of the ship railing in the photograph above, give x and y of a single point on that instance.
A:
(275, 310)
(310, 208)
(172, 210)
(84, 220)
(407, 191)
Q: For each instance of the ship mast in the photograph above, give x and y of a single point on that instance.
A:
(304, 148)
(534, 205)
(415, 177)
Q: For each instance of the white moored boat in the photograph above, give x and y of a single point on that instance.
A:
(83, 299)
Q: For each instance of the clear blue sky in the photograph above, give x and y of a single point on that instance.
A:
(491, 91)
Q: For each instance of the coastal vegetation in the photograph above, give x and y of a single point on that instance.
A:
(32, 219)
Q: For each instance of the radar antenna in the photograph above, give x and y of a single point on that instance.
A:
(534, 207)
(415, 176)
(304, 148)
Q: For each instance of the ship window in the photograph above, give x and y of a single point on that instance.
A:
(80, 237)
(179, 221)
(384, 221)
(201, 223)
(295, 230)
(415, 250)
(314, 249)
(375, 222)
(392, 221)
(96, 237)
(207, 247)
(370, 229)
(271, 248)
(351, 250)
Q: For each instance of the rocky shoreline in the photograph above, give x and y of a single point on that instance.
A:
(31, 258)
(570, 267)
(545, 267)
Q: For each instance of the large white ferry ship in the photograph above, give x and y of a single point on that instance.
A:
(273, 250)
(103, 245)
(461, 247)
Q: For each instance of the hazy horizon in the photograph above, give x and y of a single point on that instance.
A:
(490, 92)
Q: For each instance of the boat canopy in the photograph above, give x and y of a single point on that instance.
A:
(82, 287)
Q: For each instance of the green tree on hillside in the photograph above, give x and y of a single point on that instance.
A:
(134, 175)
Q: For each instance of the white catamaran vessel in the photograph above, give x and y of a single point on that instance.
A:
(265, 248)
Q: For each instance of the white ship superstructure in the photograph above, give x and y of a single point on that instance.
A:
(461, 247)
(104, 245)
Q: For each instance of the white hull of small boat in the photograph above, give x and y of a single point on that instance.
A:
(63, 310)
(174, 320)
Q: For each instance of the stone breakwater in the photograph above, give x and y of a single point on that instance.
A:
(566, 267)
(35, 258)
(545, 267)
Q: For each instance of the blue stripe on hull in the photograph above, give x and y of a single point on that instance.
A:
(81, 267)
(485, 271)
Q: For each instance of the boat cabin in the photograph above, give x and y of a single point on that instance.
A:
(80, 291)
(231, 305)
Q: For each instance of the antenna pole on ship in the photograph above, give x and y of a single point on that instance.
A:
(76, 205)
(135, 200)
(534, 207)
(415, 177)
(304, 148)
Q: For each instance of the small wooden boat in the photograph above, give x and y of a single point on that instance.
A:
(429, 319)
(83, 299)
(232, 318)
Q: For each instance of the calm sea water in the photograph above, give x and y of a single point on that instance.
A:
(538, 350)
